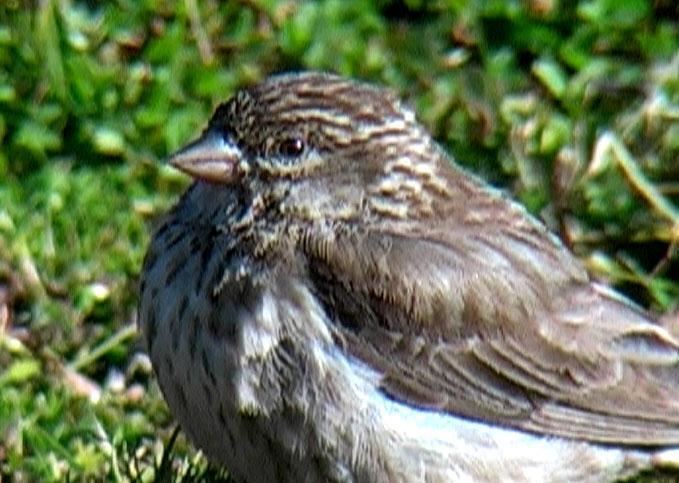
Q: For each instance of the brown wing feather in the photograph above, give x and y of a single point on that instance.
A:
(461, 330)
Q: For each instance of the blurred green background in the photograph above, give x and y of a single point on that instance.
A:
(572, 106)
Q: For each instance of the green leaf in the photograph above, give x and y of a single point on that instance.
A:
(37, 138)
(551, 75)
(20, 371)
(615, 13)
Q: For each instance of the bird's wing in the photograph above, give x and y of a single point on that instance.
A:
(458, 329)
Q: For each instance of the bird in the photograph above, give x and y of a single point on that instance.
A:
(334, 299)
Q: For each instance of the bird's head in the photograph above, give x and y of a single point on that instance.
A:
(335, 146)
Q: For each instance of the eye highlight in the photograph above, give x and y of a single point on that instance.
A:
(291, 147)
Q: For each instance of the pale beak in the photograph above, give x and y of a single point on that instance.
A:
(210, 157)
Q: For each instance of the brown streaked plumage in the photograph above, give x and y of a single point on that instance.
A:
(332, 284)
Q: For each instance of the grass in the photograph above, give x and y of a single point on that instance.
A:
(571, 106)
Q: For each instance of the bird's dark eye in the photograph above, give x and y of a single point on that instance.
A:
(292, 147)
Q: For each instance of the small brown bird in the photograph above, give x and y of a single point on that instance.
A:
(334, 300)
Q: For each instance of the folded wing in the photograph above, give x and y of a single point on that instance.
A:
(455, 325)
